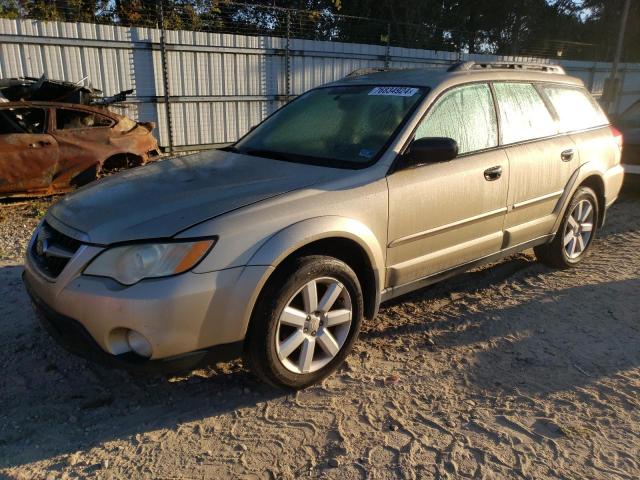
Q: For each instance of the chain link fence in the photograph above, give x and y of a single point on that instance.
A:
(205, 72)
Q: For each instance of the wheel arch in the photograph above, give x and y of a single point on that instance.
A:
(345, 239)
(591, 178)
(113, 162)
(596, 183)
(121, 160)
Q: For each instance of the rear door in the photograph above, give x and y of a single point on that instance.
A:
(83, 137)
(28, 156)
(581, 118)
(445, 214)
(541, 161)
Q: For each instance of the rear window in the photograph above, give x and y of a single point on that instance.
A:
(67, 119)
(575, 107)
(523, 114)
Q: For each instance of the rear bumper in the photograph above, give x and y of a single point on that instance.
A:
(613, 179)
(75, 338)
(631, 169)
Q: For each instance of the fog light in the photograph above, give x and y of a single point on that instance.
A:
(139, 344)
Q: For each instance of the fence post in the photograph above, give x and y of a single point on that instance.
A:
(287, 65)
(387, 54)
(614, 101)
(620, 91)
(165, 78)
(592, 76)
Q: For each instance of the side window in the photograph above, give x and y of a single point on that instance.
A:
(67, 119)
(576, 109)
(22, 120)
(523, 114)
(465, 114)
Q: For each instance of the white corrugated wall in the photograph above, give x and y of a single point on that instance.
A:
(220, 84)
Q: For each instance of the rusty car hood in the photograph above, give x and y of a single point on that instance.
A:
(161, 199)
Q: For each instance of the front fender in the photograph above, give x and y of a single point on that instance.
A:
(291, 238)
(288, 240)
(279, 246)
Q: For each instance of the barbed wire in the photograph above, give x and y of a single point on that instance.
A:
(275, 21)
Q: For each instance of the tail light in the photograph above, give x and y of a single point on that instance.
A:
(617, 136)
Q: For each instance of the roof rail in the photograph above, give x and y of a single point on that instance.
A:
(505, 65)
(367, 70)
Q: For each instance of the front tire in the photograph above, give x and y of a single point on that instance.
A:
(305, 322)
(577, 231)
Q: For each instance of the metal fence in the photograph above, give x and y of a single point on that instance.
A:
(206, 88)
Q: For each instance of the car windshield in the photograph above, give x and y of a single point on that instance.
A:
(342, 126)
(631, 117)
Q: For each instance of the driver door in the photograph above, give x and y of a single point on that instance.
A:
(446, 214)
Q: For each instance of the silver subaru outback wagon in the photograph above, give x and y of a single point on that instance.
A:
(277, 248)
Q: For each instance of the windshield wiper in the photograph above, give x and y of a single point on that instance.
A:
(257, 152)
(230, 148)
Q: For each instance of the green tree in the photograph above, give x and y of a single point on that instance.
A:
(602, 25)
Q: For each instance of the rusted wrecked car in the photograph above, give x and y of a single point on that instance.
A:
(48, 147)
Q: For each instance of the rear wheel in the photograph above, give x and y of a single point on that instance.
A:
(576, 233)
(305, 322)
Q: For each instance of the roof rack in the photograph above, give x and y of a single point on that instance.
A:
(367, 70)
(504, 65)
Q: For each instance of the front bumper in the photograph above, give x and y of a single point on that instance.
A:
(199, 316)
(72, 335)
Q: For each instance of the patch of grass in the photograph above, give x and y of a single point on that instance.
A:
(38, 210)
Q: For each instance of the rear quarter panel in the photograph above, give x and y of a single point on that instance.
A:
(600, 154)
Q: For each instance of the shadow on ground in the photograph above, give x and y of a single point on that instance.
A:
(553, 342)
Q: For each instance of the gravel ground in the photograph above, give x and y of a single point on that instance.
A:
(18, 219)
(510, 371)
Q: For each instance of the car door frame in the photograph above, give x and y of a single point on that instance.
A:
(529, 219)
(47, 152)
(393, 289)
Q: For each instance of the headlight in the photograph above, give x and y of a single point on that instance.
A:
(131, 263)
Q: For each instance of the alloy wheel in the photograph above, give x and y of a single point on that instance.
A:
(578, 229)
(314, 325)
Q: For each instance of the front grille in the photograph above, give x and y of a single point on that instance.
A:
(52, 250)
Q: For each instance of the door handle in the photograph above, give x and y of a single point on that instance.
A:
(567, 155)
(493, 173)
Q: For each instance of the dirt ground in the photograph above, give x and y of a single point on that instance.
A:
(510, 371)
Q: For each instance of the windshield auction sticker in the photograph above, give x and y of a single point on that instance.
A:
(394, 91)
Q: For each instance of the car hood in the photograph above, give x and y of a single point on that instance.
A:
(161, 199)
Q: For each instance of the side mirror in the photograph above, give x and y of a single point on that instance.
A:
(429, 150)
